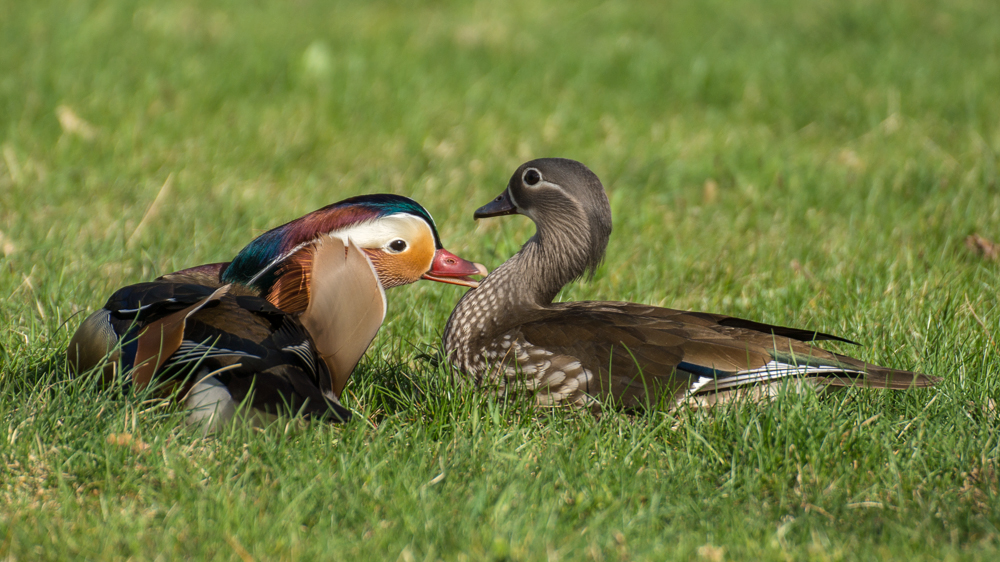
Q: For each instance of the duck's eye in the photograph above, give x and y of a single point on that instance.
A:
(531, 177)
(397, 246)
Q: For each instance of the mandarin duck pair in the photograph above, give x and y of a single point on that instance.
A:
(284, 323)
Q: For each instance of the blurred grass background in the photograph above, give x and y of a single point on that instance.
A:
(803, 163)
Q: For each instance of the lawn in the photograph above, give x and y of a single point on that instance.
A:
(815, 164)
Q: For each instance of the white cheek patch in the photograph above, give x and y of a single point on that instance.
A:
(371, 235)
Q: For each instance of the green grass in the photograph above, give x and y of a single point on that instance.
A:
(811, 164)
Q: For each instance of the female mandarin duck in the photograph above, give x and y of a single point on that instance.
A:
(592, 353)
(285, 322)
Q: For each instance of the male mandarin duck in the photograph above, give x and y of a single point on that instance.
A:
(588, 354)
(284, 323)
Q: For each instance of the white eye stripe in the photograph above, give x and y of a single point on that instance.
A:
(510, 194)
(383, 231)
(541, 184)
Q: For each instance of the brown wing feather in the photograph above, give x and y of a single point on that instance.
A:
(160, 339)
(637, 349)
(208, 275)
(866, 375)
(346, 307)
(632, 361)
(232, 316)
(792, 333)
(291, 289)
(877, 376)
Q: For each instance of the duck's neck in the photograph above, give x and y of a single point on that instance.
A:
(535, 275)
(528, 281)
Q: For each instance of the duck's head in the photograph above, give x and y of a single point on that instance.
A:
(567, 203)
(397, 235)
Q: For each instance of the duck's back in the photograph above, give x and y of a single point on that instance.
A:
(638, 355)
(185, 334)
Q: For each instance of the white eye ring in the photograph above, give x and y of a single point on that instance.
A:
(531, 177)
(396, 246)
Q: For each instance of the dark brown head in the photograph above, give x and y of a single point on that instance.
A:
(565, 200)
